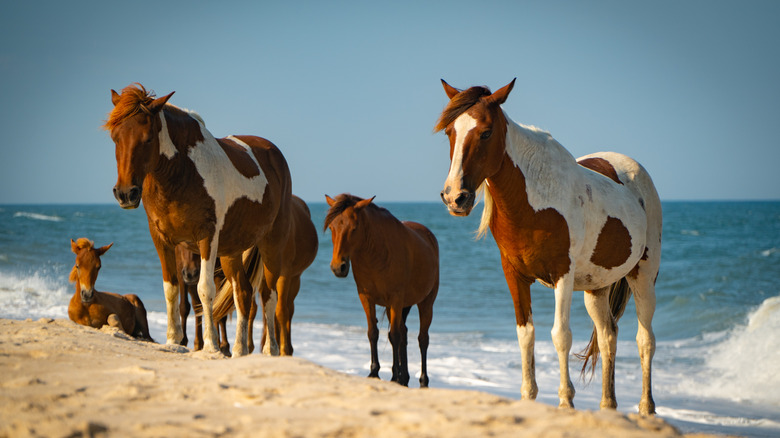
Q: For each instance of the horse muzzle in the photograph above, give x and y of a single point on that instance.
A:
(128, 197)
(87, 296)
(460, 203)
(340, 269)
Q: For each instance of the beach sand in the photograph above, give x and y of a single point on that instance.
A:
(59, 379)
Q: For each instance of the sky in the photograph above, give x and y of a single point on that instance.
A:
(350, 91)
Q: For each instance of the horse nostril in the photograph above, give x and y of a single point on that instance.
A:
(462, 198)
(134, 194)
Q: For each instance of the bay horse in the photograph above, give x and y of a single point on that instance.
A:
(94, 308)
(188, 272)
(395, 265)
(300, 250)
(587, 224)
(220, 196)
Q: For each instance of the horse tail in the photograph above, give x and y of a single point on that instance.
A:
(223, 302)
(619, 294)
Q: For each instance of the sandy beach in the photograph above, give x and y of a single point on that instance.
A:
(60, 379)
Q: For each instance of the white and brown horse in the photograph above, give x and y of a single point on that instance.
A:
(572, 225)
(220, 196)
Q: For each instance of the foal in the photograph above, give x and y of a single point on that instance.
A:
(395, 265)
(96, 309)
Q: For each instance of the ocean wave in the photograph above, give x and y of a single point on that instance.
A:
(33, 296)
(38, 216)
(743, 366)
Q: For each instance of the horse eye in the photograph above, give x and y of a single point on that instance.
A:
(485, 135)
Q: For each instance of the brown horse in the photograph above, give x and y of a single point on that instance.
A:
(95, 309)
(300, 249)
(220, 196)
(188, 272)
(592, 224)
(395, 265)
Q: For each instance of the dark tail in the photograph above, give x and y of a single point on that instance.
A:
(223, 303)
(619, 294)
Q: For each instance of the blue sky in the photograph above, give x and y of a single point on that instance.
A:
(350, 90)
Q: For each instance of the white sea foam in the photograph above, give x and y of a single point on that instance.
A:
(37, 216)
(33, 296)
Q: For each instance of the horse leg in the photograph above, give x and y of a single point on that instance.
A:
(141, 328)
(520, 289)
(184, 311)
(269, 298)
(597, 304)
(285, 307)
(224, 345)
(396, 340)
(425, 309)
(252, 316)
(561, 335)
(207, 290)
(197, 308)
(233, 267)
(171, 289)
(113, 321)
(373, 333)
(643, 287)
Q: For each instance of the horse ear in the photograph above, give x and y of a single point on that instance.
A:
(114, 97)
(330, 201)
(501, 94)
(158, 103)
(450, 90)
(102, 250)
(364, 202)
(73, 247)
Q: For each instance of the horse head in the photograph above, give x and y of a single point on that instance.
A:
(343, 219)
(134, 125)
(476, 127)
(87, 266)
(189, 263)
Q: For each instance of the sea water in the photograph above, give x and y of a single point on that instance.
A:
(717, 320)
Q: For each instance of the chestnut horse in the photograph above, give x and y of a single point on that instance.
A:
(95, 309)
(300, 249)
(395, 265)
(220, 196)
(188, 272)
(572, 225)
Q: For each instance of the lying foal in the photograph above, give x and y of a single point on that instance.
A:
(96, 309)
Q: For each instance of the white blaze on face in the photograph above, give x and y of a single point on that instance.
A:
(462, 126)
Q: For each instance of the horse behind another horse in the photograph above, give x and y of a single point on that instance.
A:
(95, 309)
(395, 265)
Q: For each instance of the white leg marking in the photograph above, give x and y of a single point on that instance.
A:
(271, 346)
(561, 336)
(207, 291)
(175, 333)
(242, 327)
(525, 338)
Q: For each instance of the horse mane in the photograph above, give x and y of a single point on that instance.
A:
(134, 98)
(81, 243)
(459, 105)
(343, 202)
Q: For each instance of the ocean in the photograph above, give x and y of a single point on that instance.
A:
(717, 320)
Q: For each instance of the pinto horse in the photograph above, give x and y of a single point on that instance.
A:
(300, 249)
(395, 265)
(220, 196)
(95, 309)
(188, 272)
(584, 224)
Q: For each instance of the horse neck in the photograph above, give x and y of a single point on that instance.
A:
(534, 170)
(375, 239)
(174, 167)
